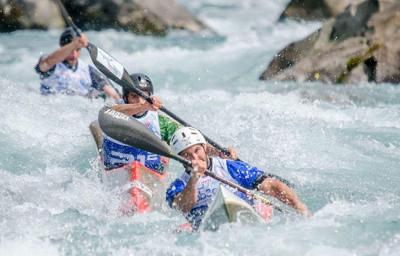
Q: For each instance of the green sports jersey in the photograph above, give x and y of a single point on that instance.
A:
(167, 127)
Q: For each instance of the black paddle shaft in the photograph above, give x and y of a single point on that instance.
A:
(67, 18)
(70, 22)
(209, 140)
(177, 118)
(187, 163)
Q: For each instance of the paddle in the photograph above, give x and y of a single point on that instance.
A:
(101, 59)
(131, 132)
(116, 72)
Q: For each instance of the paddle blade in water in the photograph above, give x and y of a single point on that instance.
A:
(131, 132)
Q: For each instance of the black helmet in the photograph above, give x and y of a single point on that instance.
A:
(67, 36)
(141, 82)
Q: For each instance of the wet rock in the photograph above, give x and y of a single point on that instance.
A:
(154, 17)
(358, 45)
(353, 21)
(29, 14)
(138, 16)
(172, 14)
(316, 10)
(290, 55)
(386, 26)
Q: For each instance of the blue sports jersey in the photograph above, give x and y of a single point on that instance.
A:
(116, 154)
(237, 172)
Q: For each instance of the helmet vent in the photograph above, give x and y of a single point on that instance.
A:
(186, 137)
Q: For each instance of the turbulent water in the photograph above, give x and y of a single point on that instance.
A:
(340, 145)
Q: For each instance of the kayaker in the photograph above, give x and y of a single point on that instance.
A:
(63, 72)
(193, 191)
(117, 153)
(120, 160)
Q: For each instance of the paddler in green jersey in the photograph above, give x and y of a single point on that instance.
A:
(121, 161)
(117, 154)
(125, 165)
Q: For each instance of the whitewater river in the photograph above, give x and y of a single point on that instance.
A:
(340, 145)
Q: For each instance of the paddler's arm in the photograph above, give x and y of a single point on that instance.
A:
(101, 83)
(188, 197)
(62, 53)
(185, 200)
(140, 107)
(281, 191)
(111, 92)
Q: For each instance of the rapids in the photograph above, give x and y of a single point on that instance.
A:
(340, 145)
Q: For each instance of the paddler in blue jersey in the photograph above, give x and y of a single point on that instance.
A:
(193, 191)
(122, 163)
(63, 72)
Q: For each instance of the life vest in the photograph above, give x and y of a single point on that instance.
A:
(68, 81)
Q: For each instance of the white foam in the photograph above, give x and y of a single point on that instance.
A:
(392, 248)
(27, 246)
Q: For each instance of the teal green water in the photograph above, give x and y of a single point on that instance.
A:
(340, 145)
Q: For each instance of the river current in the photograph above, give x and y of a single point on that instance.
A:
(340, 145)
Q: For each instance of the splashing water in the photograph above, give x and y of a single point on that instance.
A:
(339, 145)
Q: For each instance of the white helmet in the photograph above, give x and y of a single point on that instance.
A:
(185, 137)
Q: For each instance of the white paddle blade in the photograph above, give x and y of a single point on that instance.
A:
(110, 63)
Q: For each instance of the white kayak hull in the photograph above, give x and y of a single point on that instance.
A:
(227, 208)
